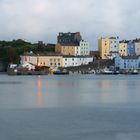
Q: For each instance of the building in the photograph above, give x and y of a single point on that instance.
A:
(137, 47)
(131, 48)
(55, 60)
(40, 60)
(114, 47)
(127, 62)
(108, 47)
(84, 48)
(72, 44)
(123, 48)
(104, 48)
(69, 61)
(69, 39)
(67, 50)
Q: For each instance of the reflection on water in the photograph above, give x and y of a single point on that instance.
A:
(9, 82)
(104, 84)
(69, 91)
(39, 93)
(94, 108)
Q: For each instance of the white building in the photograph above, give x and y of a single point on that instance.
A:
(56, 60)
(69, 61)
(114, 47)
(127, 62)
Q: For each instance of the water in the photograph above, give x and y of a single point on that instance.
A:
(75, 107)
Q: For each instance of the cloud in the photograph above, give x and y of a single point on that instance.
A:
(43, 19)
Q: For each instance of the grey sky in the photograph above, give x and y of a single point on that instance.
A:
(35, 20)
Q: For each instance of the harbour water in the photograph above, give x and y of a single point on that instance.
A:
(70, 107)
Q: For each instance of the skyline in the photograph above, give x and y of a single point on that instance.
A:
(35, 20)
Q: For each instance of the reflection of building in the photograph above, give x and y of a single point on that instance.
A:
(39, 93)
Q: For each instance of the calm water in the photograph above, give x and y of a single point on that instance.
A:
(75, 107)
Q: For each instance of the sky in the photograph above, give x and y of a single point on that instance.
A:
(42, 20)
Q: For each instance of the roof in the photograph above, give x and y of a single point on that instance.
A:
(130, 57)
(70, 44)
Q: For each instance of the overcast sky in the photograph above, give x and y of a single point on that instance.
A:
(35, 20)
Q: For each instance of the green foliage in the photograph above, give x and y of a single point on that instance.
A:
(10, 51)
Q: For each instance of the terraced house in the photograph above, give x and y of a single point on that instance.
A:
(108, 47)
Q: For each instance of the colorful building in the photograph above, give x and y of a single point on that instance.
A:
(104, 48)
(137, 47)
(108, 47)
(127, 62)
(67, 50)
(84, 48)
(72, 44)
(131, 48)
(114, 47)
(55, 60)
(40, 60)
(123, 48)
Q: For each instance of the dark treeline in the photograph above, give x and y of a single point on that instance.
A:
(10, 51)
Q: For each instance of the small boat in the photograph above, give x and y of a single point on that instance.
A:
(134, 72)
(60, 73)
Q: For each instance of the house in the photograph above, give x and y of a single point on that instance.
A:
(72, 44)
(127, 62)
(55, 60)
(108, 47)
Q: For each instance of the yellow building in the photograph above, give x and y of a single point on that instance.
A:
(67, 50)
(43, 60)
(104, 47)
(123, 49)
(137, 45)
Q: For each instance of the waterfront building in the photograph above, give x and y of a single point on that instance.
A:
(104, 48)
(137, 47)
(40, 60)
(123, 48)
(127, 62)
(69, 61)
(131, 48)
(55, 60)
(114, 47)
(108, 47)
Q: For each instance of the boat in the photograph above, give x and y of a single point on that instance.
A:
(109, 72)
(134, 72)
(59, 72)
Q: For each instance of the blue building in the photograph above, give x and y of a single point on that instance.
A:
(131, 48)
(127, 62)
